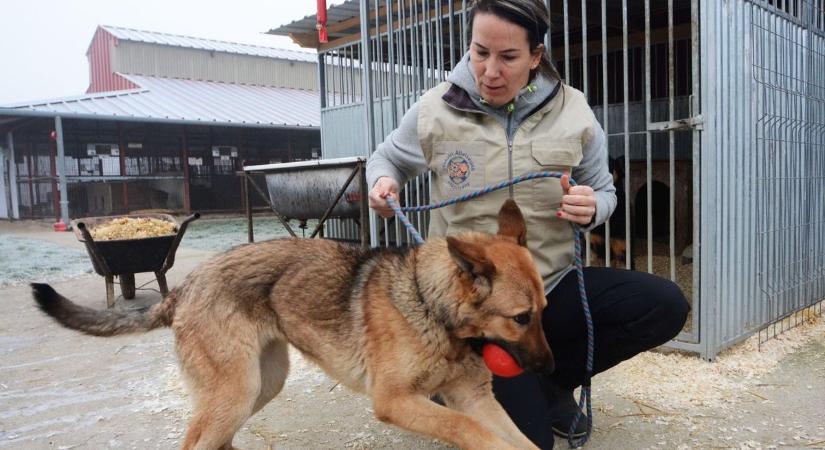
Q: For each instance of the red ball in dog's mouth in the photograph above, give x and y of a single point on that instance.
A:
(499, 361)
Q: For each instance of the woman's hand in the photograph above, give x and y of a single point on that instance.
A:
(578, 204)
(378, 196)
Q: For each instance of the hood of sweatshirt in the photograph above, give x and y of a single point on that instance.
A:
(538, 92)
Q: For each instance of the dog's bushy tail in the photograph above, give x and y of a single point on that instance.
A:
(110, 322)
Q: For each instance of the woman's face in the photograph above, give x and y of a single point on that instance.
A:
(500, 58)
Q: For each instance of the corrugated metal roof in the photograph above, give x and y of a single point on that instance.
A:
(153, 37)
(335, 14)
(187, 101)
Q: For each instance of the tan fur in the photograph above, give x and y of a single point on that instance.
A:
(391, 324)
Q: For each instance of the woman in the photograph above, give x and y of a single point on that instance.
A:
(502, 112)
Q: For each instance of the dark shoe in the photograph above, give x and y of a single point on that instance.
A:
(563, 409)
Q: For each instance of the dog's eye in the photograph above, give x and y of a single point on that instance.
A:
(522, 319)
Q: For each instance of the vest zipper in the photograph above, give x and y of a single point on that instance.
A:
(508, 132)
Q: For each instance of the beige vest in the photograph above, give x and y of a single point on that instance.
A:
(469, 150)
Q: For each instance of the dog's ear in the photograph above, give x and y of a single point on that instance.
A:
(470, 257)
(511, 223)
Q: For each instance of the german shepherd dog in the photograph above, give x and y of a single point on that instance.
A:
(398, 325)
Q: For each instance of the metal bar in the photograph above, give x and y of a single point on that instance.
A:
(708, 21)
(605, 108)
(425, 45)
(671, 74)
(366, 77)
(365, 208)
(696, 178)
(250, 232)
(438, 43)
(322, 82)
(451, 30)
(587, 250)
(340, 194)
(464, 30)
(695, 122)
(648, 144)
(625, 75)
(415, 28)
(392, 65)
(566, 43)
(584, 58)
(406, 78)
(379, 67)
(265, 197)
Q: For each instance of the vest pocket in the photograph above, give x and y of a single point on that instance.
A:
(553, 156)
(567, 153)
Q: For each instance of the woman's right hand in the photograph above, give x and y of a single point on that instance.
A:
(378, 196)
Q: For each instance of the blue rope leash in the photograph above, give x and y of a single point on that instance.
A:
(585, 395)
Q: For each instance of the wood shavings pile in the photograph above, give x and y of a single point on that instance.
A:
(132, 228)
(674, 381)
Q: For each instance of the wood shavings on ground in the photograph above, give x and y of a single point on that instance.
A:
(132, 228)
(671, 382)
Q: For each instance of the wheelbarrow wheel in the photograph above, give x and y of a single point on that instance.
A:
(127, 285)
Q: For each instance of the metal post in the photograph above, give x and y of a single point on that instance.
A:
(605, 125)
(187, 199)
(708, 282)
(626, 93)
(366, 97)
(648, 146)
(4, 200)
(250, 231)
(364, 209)
(122, 159)
(61, 163)
(14, 212)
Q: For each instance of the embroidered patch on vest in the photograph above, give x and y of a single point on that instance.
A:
(459, 167)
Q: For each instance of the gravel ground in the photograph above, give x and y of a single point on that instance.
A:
(24, 260)
(219, 234)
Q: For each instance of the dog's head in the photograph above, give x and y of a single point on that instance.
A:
(499, 292)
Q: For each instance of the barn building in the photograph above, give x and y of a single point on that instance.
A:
(166, 123)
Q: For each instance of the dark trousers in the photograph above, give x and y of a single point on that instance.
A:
(632, 312)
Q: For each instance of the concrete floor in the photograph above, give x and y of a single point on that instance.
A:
(63, 390)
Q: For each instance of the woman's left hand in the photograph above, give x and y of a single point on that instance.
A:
(578, 204)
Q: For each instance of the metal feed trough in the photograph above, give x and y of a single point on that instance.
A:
(316, 189)
(126, 257)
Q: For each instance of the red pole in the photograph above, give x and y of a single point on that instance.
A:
(321, 24)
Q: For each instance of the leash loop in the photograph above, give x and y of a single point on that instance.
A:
(585, 394)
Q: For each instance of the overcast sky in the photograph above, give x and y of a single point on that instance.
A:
(43, 43)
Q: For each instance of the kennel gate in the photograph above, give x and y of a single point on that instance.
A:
(670, 81)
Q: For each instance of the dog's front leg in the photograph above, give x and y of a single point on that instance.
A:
(478, 401)
(419, 414)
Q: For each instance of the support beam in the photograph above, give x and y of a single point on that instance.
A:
(4, 191)
(61, 163)
(187, 199)
(122, 161)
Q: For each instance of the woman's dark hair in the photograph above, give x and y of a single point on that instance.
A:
(532, 15)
